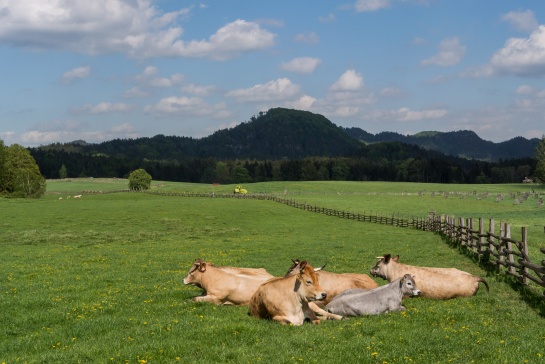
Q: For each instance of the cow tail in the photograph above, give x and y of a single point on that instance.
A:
(485, 283)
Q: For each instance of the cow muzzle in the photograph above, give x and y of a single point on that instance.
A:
(321, 296)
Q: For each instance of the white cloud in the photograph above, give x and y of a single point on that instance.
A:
(76, 73)
(450, 53)
(525, 90)
(64, 132)
(194, 106)
(371, 5)
(199, 90)
(522, 56)
(134, 92)
(135, 28)
(107, 107)
(310, 38)
(305, 102)
(521, 20)
(229, 41)
(349, 81)
(277, 90)
(301, 65)
(148, 78)
(406, 114)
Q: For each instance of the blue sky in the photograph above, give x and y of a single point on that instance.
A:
(105, 69)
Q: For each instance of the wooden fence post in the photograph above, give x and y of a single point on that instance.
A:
(524, 249)
(509, 248)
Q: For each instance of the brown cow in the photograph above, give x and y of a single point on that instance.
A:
(438, 283)
(225, 285)
(336, 283)
(286, 299)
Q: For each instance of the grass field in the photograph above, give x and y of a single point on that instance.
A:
(99, 279)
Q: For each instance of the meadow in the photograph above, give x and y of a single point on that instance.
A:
(99, 279)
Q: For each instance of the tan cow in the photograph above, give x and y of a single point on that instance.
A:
(225, 285)
(286, 299)
(438, 283)
(336, 283)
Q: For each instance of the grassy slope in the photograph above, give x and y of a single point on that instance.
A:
(100, 280)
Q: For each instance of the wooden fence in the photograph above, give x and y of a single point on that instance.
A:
(508, 255)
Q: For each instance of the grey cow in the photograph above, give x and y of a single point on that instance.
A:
(383, 299)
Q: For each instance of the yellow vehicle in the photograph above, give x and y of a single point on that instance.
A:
(239, 189)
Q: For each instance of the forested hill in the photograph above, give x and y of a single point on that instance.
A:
(286, 133)
(277, 134)
(464, 144)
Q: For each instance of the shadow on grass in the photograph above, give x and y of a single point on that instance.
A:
(532, 296)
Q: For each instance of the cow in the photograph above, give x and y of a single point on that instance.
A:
(436, 283)
(383, 299)
(225, 285)
(336, 283)
(286, 299)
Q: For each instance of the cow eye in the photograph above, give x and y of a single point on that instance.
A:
(309, 282)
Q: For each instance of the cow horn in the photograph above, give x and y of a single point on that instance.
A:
(322, 267)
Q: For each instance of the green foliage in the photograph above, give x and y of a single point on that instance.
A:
(3, 170)
(539, 172)
(62, 172)
(90, 280)
(139, 180)
(20, 176)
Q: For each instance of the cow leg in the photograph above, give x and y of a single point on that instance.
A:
(282, 319)
(212, 299)
(323, 314)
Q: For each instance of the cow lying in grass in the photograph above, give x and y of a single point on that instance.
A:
(438, 283)
(286, 299)
(383, 299)
(225, 285)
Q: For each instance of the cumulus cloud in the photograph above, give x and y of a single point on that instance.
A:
(371, 5)
(406, 114)
(107, 107)
(522, 56)
(276, 90)
(450, 53)
(136, 28)
(76, 73)
(199, 90)
(301, 65)
(521, 20)
(194, 106)
(149, 78)
(70, 130)
(349, 81)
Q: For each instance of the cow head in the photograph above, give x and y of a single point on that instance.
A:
(408, 286)
(382, 266)
(295, 267)
(193, 277)
(307, 284)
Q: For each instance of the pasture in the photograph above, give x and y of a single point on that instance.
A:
(99, 279)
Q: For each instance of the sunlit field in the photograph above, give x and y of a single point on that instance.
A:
(99, 279)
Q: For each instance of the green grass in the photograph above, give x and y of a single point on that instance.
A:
(99, 279)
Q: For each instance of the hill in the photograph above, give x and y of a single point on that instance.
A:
(463, 144)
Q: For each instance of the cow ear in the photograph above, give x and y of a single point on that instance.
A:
(302, 265)
(396, 258)
(202, 267)
(387, 258)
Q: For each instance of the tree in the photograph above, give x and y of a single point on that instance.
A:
(139, 180)
(539, 173)
(3, 156)
(22, 177)
(62, 172)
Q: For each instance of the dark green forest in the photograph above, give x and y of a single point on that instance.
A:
(293, 145)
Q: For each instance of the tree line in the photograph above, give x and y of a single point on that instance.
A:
(390, 161)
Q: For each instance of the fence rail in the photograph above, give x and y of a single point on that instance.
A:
(508, 255)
